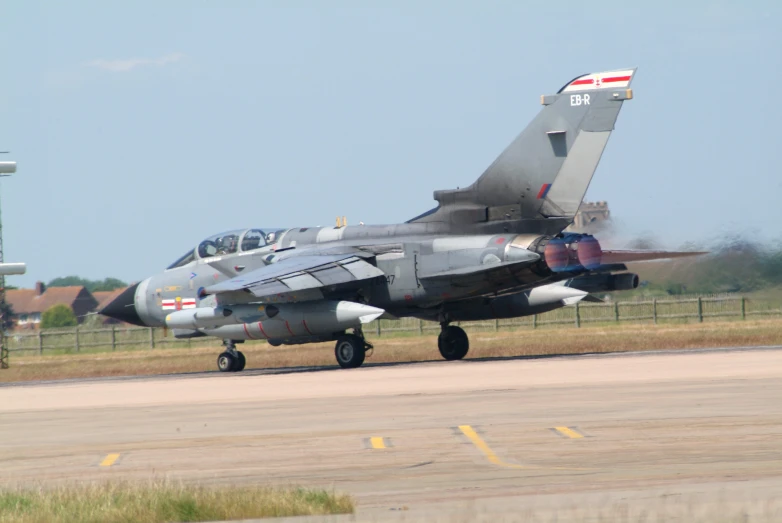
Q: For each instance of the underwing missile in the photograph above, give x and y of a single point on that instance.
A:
(534, 301)
(550, 294)
(284, 319)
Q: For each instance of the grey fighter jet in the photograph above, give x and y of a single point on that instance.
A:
(495, 249)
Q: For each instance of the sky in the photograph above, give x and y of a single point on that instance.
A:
(142, 127)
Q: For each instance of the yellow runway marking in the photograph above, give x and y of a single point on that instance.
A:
(483, 447)
(569, 432)
(377, 443)
(109, 460)
(494, 459)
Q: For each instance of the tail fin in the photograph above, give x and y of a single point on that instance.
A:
(545, 171)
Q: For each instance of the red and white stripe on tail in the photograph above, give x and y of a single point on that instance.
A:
(606, 80)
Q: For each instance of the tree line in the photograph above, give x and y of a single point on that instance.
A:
(107, 284)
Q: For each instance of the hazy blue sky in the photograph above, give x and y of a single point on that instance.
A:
(142, 127)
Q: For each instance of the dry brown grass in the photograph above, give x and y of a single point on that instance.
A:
(523, 342)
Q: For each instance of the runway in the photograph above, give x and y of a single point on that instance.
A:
(449, 441)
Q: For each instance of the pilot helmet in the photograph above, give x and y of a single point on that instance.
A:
(226, 243)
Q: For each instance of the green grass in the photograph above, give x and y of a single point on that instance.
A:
(159, 501)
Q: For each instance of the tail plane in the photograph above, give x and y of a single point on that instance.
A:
(545, 172)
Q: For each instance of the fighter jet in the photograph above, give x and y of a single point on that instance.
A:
(495, 249)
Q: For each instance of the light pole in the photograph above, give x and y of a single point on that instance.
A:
(6, 169)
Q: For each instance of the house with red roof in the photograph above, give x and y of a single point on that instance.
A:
(29, 304)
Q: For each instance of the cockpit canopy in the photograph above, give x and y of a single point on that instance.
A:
(229, 242)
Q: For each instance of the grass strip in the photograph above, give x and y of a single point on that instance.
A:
(404, 348)
(159, 501)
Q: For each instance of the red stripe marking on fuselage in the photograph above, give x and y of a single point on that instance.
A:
(616, 79)
(260, 327)
(304, 322)
(287, 325)
(247, 331)
(543, 189)
(585, 81)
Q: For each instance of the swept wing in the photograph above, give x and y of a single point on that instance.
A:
(301, 273)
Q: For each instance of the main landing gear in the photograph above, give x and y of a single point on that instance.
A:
(231, 360)
(351, 349)
(453, 342)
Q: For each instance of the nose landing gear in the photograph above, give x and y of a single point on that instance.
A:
(231, 360)
(453, 342)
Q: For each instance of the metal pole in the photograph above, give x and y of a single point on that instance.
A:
(6, 168)
(3, 347)
(743, 308)
(654, 310)
(700, 310)
(578, 316)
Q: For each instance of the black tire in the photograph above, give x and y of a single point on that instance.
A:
(226, 362)
(453, 343)
(241, 361)
(350, 351)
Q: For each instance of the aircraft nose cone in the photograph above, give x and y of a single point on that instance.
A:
(123, 307)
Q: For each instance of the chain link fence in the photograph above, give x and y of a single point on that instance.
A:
(695, 309)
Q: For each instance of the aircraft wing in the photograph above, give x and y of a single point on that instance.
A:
(300, 274)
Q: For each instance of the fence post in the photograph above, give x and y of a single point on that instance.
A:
(700, 310)
(578, 316)
(616, 311)
(496, 325)
(743, 308)
(654, 310)
(534, 321)
(377, 327)
(76, 340)
(151, 337)
(113, 339)
(420, 327)
(40, 342)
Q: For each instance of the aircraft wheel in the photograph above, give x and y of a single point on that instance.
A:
(453, 343)
(241, 361)
(226, 362)
(350, 351)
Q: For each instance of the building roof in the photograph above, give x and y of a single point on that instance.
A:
(28, 301)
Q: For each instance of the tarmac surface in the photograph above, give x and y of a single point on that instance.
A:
(495, 440)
